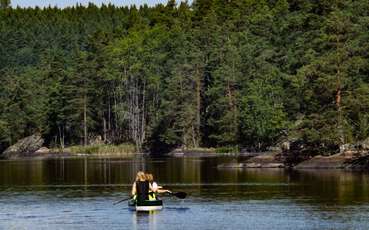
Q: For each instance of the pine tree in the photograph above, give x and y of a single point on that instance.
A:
(332, 79)
(224, 94)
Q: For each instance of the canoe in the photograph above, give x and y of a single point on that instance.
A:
(147, 205)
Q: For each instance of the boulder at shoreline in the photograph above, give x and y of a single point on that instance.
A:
(336, 161)
(270, 160)
(263, 160)
(360, 163)
(25, 147)
(42, 151)
(350, 160)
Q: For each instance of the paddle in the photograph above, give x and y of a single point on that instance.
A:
(122, 200)
(180, 195)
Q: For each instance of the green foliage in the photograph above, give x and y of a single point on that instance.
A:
(211, 74)
(102, 149)
(263, 117)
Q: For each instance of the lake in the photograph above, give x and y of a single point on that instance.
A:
(78, 193)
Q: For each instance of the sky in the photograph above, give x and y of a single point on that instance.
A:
(64, 3)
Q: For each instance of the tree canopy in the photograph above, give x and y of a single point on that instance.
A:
(214, 73)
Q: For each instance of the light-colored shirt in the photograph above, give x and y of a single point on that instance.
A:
(154, 186)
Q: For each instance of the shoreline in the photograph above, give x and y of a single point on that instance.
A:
(66, 155)
(348, 160)
(339, 161)
(209, 152)
(98, 150)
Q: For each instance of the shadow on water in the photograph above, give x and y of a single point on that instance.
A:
(177, 209)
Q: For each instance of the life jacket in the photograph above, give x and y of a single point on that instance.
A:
(142, 189)
(152, 195)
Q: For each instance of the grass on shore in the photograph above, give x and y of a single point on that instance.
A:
(225, 149)
(126, 149)
(228, 149)
(102, 149)
(200, 150)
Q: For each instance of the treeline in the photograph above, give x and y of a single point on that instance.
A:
(214, 73)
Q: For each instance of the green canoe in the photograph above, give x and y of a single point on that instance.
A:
(147, 205)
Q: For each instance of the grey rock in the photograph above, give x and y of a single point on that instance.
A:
(231, 165)
(285, 146)
(264, 165)
(24, 148)
(365, 144)
(336, 161)
(43, 150)
(264, 160)
(360, 163)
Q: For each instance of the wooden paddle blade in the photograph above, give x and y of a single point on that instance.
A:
(180, 195)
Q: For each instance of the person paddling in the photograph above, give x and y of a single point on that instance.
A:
(143, 191)
(155, 187)
(141, 187)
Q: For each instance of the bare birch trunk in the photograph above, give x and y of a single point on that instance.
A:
(198, 108)
(115, 111)
(143, 116)
(85, 121)
(109, 115)
(104, 129)
(61, 137)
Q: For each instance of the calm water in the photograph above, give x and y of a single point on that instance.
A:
(78, 194)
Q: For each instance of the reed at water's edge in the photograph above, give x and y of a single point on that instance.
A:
(100, 149)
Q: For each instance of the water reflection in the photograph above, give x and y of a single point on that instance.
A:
(199, 177)
(334, 187)
(145, 220)
(79, 193)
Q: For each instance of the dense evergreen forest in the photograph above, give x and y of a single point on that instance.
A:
(245, 73)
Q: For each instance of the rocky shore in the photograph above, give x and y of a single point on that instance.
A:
(26, 147)
(207, 152)
(263, 160)
(351, 157)
(337, 161)
(33, 147)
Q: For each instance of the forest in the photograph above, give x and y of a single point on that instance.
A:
(211, 73)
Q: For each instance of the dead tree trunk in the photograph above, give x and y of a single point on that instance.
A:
(196, 131)
(61, 136)
(85, 138)
(341, 133)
